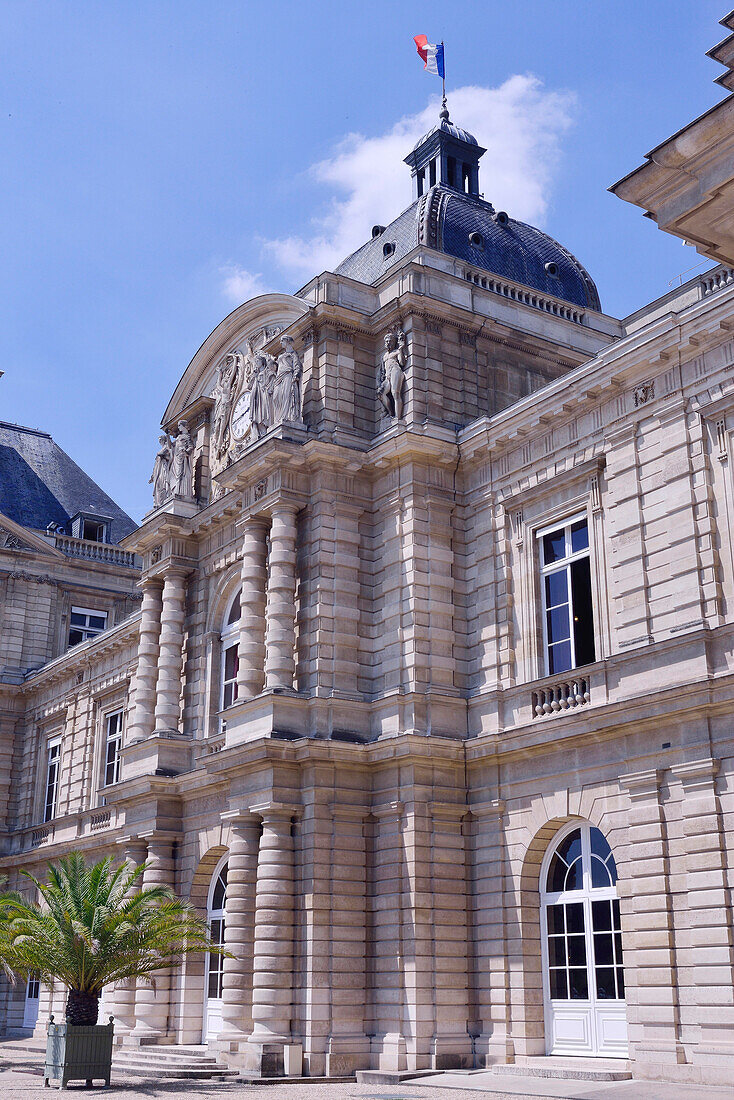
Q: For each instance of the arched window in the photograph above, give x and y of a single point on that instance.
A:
(216, 906)
(582, 945)
(230, 642)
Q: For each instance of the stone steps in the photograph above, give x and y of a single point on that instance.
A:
(170, 1063)
(568, 1069)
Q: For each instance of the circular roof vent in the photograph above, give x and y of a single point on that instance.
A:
(476, 239)
(551, 268)
(377, 231)
(388, 248)
(501, 217)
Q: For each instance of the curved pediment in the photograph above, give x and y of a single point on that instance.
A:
(259, 319)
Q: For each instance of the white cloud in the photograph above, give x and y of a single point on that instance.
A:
(520, 123)
(239, 285)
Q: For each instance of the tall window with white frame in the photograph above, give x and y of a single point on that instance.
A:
(85, 623)
(113, 745)
(568, 613)
(230, 661)
(53, 764)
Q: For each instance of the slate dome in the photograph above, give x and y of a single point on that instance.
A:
(450, 215)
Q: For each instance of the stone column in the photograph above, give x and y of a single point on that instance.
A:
(251, 651)
(152, 998)
(705, 940)
(170, 660)
(239, 929)
(272, 983)
(142, 717)
(650, 972)
(122, 1002)
(280, 638)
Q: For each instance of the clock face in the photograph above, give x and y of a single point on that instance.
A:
(241, 419)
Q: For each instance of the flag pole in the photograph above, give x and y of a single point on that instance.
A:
(443, 78)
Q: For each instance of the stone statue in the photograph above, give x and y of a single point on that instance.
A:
(261, 394)
(287, 385)
(160, 479)
(181, 470)
(392, 373)
(223, 395)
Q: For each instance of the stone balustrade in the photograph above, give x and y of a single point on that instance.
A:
(565, 695)
(95, 551)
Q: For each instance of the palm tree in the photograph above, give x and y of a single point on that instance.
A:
(92, 929)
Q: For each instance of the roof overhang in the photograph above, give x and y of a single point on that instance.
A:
(687, 183)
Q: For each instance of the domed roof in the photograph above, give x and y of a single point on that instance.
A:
(446, 126)
(467, 227)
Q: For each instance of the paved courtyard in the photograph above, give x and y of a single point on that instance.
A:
(21, 1078)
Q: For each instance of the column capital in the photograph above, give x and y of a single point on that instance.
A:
(275, 811)
(239, 817)
(696, 772)
(289, 507)
(494, 806)
(641, 785)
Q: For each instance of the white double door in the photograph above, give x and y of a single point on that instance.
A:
(215, 963)
(583, 974)
(32, 999)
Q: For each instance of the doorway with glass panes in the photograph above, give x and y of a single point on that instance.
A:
(214, 973)
(583, 971)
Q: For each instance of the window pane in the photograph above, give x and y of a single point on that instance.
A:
(575, 917)
(603, 949)
(558, 624)
(213, 984)
(570, 846)
(557, 951)
(554, 546)
(555, 919)
(600, 876)
(556, 588)
(577, 950)
(556, 875)
(559, 985)
(618, 946)
(574, 877)
(599, 845)
(579, 984)
(234, 611)
(605, 988)
(620, 982)
(77, 619)
(579, 536)
(75, 636)
(230, 663)
(227, 696)
(612, 869)
(559, 658)
(583, 617)
(601, 915)
(97, 622)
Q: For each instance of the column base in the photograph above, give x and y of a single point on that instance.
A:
(271, 1059)
(147, 1039)
(345, 1054)
(391, 1053)
(451, 1052)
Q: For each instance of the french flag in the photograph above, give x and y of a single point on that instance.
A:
(432, 54)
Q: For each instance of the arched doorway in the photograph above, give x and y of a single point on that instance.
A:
(583, 974)
(215, 913)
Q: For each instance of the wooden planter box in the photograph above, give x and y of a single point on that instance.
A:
(78, 1053)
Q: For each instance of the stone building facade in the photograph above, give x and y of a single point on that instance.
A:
(427, 706)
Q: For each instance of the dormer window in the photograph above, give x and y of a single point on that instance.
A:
(93, 528)
(388, 248)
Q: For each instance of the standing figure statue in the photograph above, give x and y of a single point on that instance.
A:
(181, 471)
(392, 373)
(261, 409)
(160, 479)
(287, 385)
(223, 393)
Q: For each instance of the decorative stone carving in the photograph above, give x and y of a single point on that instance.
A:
(644, 393)
(223, 394)
(287, 385)
(9, 541)
(160, 479)
(392, 373)
(181, 468)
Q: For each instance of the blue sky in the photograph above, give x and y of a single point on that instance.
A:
(161, 160)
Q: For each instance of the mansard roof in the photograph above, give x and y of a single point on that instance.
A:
(468, 227)
(40, 484)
